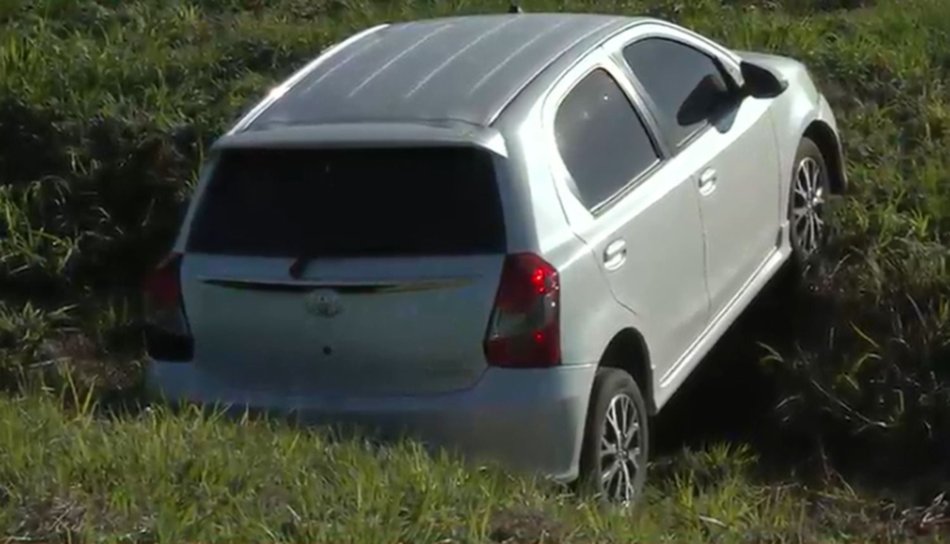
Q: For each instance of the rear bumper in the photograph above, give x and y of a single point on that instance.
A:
(530, 420)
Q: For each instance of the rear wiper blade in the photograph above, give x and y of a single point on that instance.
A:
(298, 266)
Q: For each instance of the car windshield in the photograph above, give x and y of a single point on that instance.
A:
(350, 203)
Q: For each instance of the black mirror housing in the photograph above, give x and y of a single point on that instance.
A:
(705, 102)
(761, 82)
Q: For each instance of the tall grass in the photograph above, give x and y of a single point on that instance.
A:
(187, 477)
(107, 108)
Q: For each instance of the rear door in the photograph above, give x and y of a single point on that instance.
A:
(639, 215)
(345, 270)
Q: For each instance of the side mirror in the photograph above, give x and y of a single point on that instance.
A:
(704, 102)
(761, 82)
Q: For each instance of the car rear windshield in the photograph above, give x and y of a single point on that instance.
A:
(350, 203)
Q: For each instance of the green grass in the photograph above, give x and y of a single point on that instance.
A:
(187, 477)
(106, 111)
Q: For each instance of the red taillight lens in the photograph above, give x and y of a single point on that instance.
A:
(167, 335)
(163, 286)
(524, 330)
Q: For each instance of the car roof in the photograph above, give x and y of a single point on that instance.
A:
(464, 68)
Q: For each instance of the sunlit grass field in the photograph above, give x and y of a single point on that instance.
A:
(106, 111)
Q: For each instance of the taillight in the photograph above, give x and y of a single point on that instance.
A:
(167, 335)
(524, 330)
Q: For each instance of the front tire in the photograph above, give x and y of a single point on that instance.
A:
(615, 450)
(810, 190)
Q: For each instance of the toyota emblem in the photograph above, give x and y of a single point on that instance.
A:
(323, 303)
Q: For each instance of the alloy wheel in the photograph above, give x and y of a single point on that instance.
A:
(620, 449)
(808, 200)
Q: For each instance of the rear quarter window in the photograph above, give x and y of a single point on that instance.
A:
(350, 203)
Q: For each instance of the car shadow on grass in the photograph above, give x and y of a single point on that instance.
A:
(731, 397)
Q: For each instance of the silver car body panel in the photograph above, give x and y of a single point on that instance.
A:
(280, 90)
(527, 419)
(461, 68)
(696, 258)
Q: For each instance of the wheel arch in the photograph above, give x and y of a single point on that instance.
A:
(628, 351)
(824, 136)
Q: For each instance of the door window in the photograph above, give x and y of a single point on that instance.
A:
(686, 85)
(601, 138)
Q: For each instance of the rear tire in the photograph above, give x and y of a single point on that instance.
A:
(616, 441)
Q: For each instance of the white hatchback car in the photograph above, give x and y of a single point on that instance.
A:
(510, 235)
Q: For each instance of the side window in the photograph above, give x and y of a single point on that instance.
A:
(601, 138)
(686, 85)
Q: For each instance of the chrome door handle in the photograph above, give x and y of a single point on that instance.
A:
(615, 255)
(707, 181)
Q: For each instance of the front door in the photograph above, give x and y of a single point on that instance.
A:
(727, 143)
(739, 193)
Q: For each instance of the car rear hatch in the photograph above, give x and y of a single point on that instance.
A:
(356, 271)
